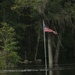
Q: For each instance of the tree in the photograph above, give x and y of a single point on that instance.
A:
(8, 46)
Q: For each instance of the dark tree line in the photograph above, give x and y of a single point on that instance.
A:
(21, 27)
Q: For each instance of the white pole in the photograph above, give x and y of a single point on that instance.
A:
(45, 48)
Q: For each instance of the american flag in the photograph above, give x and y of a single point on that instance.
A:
(49, 30)
(46, 29)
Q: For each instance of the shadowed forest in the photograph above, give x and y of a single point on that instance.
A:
(21, 31)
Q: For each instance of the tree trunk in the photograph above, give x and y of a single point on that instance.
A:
(57, 53)
(38, 39)
(56, 57)
(50, 57)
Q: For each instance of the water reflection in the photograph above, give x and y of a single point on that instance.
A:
(62, 72)
(67, 72)
(11, 73)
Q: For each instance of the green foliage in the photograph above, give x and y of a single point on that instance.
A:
(19, 4)
(13, 58)
(9, 45)
(23, 19)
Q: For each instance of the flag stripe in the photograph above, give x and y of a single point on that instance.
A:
(49, 30)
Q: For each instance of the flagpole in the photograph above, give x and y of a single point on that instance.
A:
(45, 49)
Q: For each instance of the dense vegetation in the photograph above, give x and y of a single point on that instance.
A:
(21, 33)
